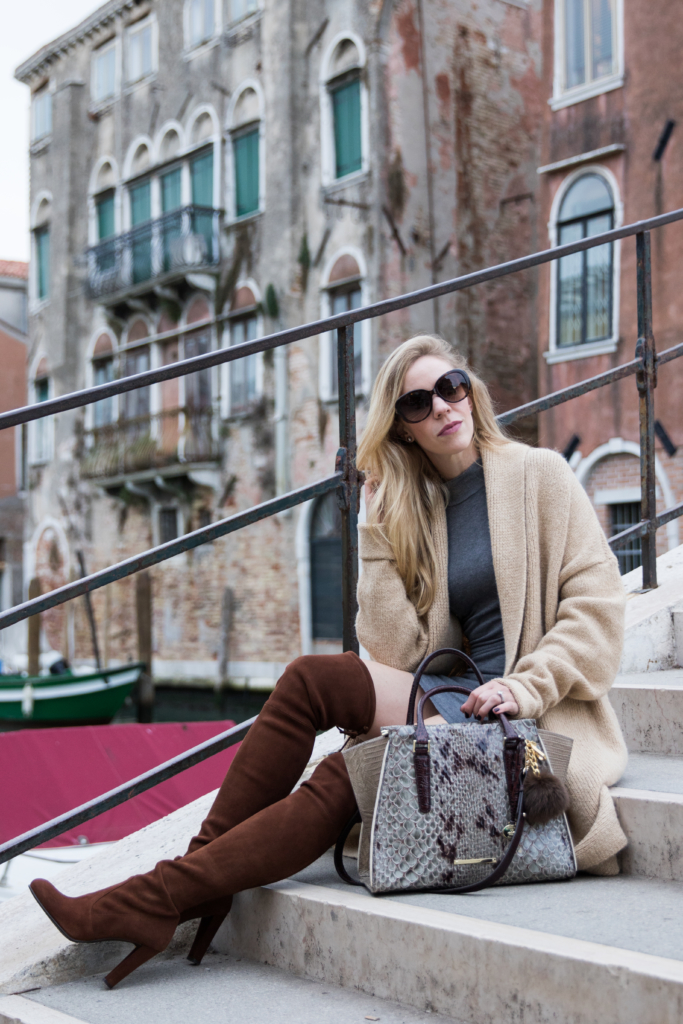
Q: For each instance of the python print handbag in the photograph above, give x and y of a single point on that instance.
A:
(457, 808)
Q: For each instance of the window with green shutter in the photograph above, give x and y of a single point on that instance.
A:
(106, 228)
(246, 150)
(105, 216)
(43, 260)
(170, 190)
(201, 177)
(171, 224)
(347, 128)
(141, 245)
(140, 204)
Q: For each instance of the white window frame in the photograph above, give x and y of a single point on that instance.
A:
(328, 164)
(234, 20)
(563, 97)
(46, 93)
(90, 374)
(132, 30)
(555, 354)
(35, 304)
(111, 45)
(45, 426)
(232, 131)
(192, 49)
(327, 347)
(226, 411)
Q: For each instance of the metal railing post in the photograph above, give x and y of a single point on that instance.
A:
(646, 380)
(349, 489)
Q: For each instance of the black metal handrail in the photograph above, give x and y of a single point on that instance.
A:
(347, 480)
(126, 791)
(87, 396)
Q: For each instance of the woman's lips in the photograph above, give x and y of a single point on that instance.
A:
(450, 428)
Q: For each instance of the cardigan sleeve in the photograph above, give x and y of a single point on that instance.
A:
(579, 655)
(387, 625)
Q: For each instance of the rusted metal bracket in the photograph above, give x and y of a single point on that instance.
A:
(648, 372)
(348, 495)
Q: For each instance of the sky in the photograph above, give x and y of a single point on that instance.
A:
(27, 25)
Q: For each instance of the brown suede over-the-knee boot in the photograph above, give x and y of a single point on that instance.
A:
(257, 830)
(269, 846)
(315, 692)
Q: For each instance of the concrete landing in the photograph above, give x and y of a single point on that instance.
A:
(224, 988)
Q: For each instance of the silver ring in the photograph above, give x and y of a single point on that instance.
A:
(502, 698)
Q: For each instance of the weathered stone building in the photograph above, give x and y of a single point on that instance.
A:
(611, 155)
(209, 170)
(13, 324)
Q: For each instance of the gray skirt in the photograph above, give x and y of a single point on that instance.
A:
(448, 704)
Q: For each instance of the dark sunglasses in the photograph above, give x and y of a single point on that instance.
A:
(415, 406)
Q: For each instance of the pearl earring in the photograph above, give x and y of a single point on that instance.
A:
(409, 440)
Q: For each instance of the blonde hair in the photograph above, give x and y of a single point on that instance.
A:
(409, 490)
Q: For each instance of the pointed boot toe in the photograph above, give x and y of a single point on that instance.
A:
(66, 913)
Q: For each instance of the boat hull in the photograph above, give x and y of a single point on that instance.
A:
(91, 699)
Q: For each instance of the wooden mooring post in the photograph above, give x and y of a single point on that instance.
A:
(143, 604)
(34, 590)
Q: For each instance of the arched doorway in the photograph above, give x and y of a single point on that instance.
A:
(326, 569)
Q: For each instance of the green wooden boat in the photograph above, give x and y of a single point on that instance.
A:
(66, 699)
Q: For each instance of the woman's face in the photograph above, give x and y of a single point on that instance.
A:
(449, 429)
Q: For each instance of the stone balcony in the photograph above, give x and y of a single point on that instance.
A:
(155, 254)
(175, 437)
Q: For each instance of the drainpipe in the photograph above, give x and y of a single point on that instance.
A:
(281, 419)
(428, 161)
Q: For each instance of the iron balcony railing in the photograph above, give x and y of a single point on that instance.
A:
(154, 441)
(184, 239)
(346, 479)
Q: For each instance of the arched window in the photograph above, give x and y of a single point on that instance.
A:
(105, 211)
(585, 279)
(41, 431)
(326, 569)
(245, 141)
(103, 373)
(343, 111)
(136, 404)
(244, 374)
(343, 289)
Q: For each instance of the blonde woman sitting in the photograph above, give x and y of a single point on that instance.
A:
(468, 535)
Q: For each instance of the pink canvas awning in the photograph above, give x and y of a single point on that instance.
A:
(45, 772)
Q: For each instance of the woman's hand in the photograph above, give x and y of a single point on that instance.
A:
(493, 696)
(371, 485)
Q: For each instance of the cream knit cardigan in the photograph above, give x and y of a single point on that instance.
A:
(562, 604)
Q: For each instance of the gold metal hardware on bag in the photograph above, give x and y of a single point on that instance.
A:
(532, 756)
(477, 860)
(509, 830)
(429, 745)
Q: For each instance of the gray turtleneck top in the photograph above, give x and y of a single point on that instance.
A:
(472, 590)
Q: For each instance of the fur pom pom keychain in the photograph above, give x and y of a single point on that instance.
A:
(545, 796)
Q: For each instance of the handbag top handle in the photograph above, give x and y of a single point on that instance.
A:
(421, 729)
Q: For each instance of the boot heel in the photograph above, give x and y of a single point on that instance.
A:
(139, 956)
(208, 926)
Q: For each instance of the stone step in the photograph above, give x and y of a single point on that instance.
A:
(649, 802)
(571, 953)
(226, 988)
(592, 949)
(649, 706)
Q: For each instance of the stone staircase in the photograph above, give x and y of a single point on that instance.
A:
(606, 950)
